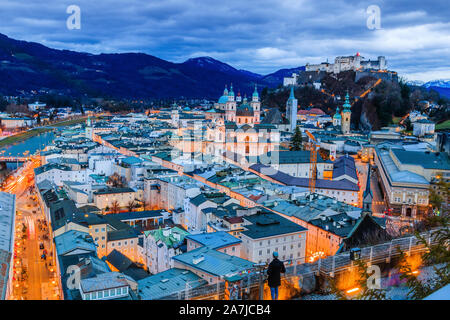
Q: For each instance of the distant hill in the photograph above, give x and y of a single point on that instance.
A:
(26, 66)
(276, 78)
(442, 91)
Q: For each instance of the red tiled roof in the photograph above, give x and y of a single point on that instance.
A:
(253, 197)
(315, 111)
(234, 219)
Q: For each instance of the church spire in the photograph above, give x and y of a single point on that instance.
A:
(368, 191)
(367, 196)
(347, 106)
(255, 93)
(231, 93)
(291, 96)
(255, 96)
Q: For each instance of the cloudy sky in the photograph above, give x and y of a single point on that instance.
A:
(257, 35)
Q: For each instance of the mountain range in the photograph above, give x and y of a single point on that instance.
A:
(441, 85)
(26, 66)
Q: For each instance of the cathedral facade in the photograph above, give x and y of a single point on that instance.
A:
(233, 108)
(235, 126)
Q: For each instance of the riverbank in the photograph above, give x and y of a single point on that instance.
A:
(34, 132)
(22, 136)
(69, 122)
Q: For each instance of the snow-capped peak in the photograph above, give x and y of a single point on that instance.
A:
(442, 83)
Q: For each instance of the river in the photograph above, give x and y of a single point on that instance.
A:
(32, 145)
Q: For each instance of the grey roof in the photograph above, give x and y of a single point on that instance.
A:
(269, 224)
(114, 190)
(104, 281)
(89, 208)
(308, 209)
(122, 234)
(198, 200)
(427, 160)
(339, 224)
(217, 197)
(7, 216)
(119, 260)
(344, 166)
(285, 157)
(289, 180)
(123, 264)
(45, 185)
(62, 211)
(168, 283)
(50, 166)
(274, 116)
(395, 175)
(7, 219)
(215, 240)
(74, 240)
(213, 262)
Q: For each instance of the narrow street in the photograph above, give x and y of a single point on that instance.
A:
(378, 205)
(34, 276)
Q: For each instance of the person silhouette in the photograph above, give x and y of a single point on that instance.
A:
(276, 267)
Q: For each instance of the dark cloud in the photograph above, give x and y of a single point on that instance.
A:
(260, 36)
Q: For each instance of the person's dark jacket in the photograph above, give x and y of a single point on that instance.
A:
(276, 267)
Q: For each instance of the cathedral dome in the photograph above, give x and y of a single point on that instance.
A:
(223, 99)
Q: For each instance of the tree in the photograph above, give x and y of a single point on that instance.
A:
(115, 207)
(439, 196)
(296, 142)
(434, 199)
(116, 180)
(17, 108)
(3, 104)
(437, 255)
(365, 292)
(131, 205)
(264, 92)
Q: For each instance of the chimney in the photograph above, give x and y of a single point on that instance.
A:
(166, 232)
(198, 260)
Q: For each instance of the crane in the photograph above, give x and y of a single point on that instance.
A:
(312, 146)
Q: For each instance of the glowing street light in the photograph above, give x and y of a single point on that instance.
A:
(353, 290)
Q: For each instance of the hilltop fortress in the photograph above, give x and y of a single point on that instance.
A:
(315, 72)
(345, 63)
